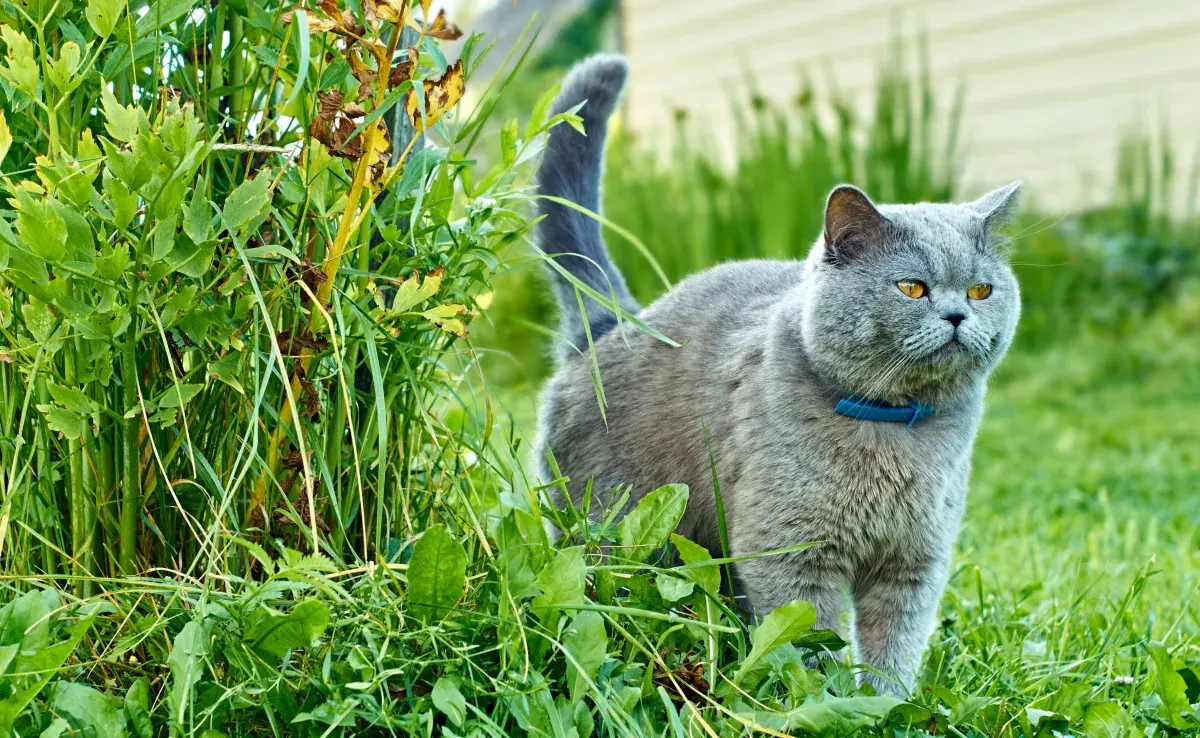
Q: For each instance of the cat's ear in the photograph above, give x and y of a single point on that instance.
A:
(853, 225)
(1000, 205)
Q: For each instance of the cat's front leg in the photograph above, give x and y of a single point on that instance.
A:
(773, 582)
(895, 610)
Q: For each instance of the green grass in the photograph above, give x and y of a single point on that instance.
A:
(1080, 549)
(1080, 546)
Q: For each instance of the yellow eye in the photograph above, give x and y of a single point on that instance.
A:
(913, 288)
(980, 291)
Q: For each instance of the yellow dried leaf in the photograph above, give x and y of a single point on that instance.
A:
(443, 317)
(441, 95)
(6, 138)
(442, 312)
(454, 325)
(388, 10)
(442, 28)
(316, 23)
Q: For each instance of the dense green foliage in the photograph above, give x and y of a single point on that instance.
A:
(262, 450)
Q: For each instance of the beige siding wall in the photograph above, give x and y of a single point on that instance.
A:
(1051, 84)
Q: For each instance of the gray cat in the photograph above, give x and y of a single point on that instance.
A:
(841, 393)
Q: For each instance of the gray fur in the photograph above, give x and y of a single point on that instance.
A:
(767, 349)
(571, 170)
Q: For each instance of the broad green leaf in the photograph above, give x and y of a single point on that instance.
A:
(164, 237)
(587, 642)
(1107, 720)
(160, 14)
(840, 715)
(102, 15)
(1171, 688)
(276, 634)
(225, 369)
(137, 708)
(247, 201)
(113, 261)
(24, 621)
(68, 177)
(56, 729)
(121, 121)
(89, 709)
(133, 167)
(41, 227)
(782, 625)
(121, 200)
(447, 698)
(45, 661)
(64, 68)
(673, 589)
(437, 573)
(39, 320)
(514, 560)
(179, 394)
(656, 516)
(415, 290)
(707, 577)
(191, 259)
(197, 218)
(562, 582)
(72, 398)
(72, 425)
(187, 664)
(81, 243)
(21, 64)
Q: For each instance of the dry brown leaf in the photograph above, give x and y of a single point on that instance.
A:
(442, 28)
(329, 103)
(441, 95)
(389, 10)
(379, 155)
(439, 28)
(405, 69)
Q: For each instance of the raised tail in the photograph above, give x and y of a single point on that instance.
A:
(571, 170)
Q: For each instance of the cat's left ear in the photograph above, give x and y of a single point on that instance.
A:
(999, 206)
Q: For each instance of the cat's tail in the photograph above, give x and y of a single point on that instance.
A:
(571, 170)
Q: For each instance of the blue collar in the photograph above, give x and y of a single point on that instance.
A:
(882, 412)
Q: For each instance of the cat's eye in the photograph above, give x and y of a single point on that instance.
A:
(914, 288)
(980, 291)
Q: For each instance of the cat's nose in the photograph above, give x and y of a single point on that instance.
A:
(955, 318)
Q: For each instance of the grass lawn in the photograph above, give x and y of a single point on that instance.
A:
(1079, 553)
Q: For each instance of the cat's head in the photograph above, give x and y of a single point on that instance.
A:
(910, 301)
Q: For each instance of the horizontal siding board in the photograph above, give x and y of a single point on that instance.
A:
(1052, 85)
(1014, 53)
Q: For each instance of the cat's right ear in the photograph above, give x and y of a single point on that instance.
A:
(853, 225)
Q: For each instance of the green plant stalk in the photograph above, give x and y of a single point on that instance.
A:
(105, 482)
(89, 503)
(237, 72)
(347, 227)
(130, 491)
(216, 71)
(45, 478)
(80, 541)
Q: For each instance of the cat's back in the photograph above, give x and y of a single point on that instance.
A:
(659, 399)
